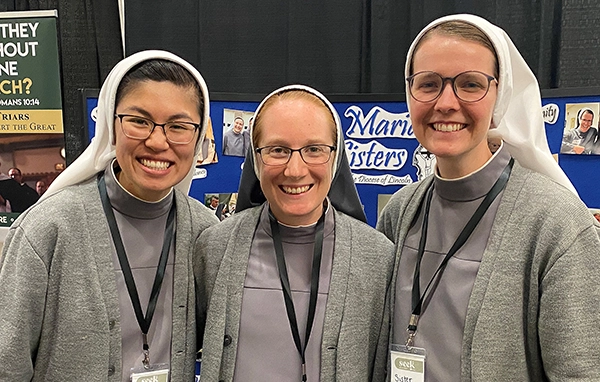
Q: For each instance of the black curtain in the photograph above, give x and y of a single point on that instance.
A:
(89, 46)
(352, 46)
(254, 47)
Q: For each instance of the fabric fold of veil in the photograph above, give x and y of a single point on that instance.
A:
(517, 117)
(342, 194)
(101, 149)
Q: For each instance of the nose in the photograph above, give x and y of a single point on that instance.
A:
(157, 140)
(447, 100)
(295, 168)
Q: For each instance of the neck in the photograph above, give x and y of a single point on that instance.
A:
(454, 168)
(151, 197)
(298, 221)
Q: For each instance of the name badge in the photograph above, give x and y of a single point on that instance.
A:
(408, 364)
(152, 373)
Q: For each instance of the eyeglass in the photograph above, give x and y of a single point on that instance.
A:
(470, 86)
(141, 128)
(280, 155)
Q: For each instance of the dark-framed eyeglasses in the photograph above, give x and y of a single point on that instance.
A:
(470, 86)
(177, 132)
(280, 155)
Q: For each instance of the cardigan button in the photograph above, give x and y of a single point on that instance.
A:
(111, 370)
(227, 340)
(111, 324)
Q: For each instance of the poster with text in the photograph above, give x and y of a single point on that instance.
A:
(31, 117)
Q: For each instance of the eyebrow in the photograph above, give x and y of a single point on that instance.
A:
(281, 143)
(148, 115)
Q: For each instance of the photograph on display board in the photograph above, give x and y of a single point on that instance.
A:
(580, 135)
(223, 204)
(236, 131)
(208, 153)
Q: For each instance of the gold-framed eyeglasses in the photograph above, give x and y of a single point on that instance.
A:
(469, 86)
(177, 132)
(280, 155)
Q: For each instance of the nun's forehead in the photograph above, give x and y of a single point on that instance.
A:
(311, 93)
(292, 95)
(460, 29)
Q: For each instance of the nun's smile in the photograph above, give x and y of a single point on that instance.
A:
(296, 190)
(151, 167)
(452, 129)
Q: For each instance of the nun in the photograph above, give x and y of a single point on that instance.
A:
(300, 280)
(498, 261)
(96, 279)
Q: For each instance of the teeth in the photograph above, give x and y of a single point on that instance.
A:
(295, 190)
(157, 165)
(448, 126)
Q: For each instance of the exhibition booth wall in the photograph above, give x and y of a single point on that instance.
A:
(382, 150)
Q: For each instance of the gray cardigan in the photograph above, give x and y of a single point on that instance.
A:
(534, 312)
(354, 345)
(59, 319)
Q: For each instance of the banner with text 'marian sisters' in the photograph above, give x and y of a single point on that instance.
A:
(31, 116)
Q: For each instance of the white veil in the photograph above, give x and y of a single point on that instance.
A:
(101, 150)
(517, 117)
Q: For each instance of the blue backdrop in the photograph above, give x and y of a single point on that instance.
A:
(382, 152)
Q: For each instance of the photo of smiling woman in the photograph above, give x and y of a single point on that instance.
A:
(96, 279)
(498, 260)
(579, 139)
(302, 280)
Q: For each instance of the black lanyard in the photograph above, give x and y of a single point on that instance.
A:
(287, 292)
(144, 322)
(417, 298)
